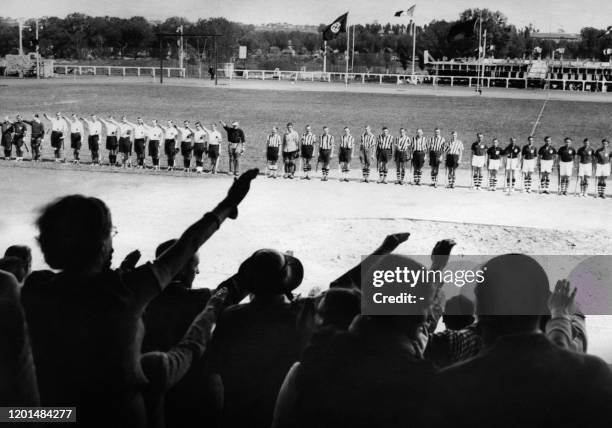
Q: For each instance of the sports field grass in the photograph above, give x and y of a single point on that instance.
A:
(259, 110)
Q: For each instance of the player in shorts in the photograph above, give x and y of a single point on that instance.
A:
(529, 156)
(76, 136)
(186, 137)
(384, 153)
(366, 149)
(212, 149)
(479, 160)
(125, 141)
(603, 157)
(566, 155)
(59, 130)
(112, 144)
(140, 135)
(513, 164)
(326, 152)
(418, 148)
(155, 134)
(347, 142)
(547, 154)
(273, 144)
(436, 147)
(586, 157)
(170, 149)
(307, 144)
(400, 155)
(199, 147)
(494, 154)
(94, 129)
(291, 151)
(454, 152)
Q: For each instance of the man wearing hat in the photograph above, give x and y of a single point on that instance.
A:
(256, 343)
(236, 139)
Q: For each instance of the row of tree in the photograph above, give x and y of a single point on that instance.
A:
(79, 36)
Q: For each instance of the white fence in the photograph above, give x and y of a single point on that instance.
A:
(399, 79)
(105, 70)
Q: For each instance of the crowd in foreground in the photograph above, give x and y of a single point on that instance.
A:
(520, 164)
(136, 346)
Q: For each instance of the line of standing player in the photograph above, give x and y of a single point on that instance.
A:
(412, 152)
(123, 138)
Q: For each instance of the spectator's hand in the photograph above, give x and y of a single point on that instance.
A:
(394, 240)
(239, 190)
(129, 262)
(561, 301)
(216, 302)
(441, 252)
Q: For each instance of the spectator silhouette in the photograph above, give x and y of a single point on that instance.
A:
(372, 375)
(256, 343)
(17, 373)
(24, 253)
(458, 313)
(85, 321)
(521, 378)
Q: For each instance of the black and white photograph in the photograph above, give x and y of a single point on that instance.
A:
(306, 214)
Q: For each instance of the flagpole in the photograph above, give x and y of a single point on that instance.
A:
(348, 40)
(413, 45)
(479, 47)
(324, 56)
(353, 52)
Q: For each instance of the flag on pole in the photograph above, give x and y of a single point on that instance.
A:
(606, 33)
(338, 26)
(408, 12)
(465, 29)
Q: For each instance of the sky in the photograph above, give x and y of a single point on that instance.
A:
(546, 15)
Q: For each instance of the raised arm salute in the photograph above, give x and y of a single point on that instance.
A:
(140, 133)
(59, 131)
(37, 136)
(125, 130)
(236, 139)
(111, 139)
(186, 136)
(76, 136)
(214, 142)
(155, 134)
(94, 129)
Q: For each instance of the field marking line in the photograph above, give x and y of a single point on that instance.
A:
(537, 122)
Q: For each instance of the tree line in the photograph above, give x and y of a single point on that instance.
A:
(79, 36)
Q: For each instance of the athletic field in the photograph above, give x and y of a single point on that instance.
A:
(327, 225)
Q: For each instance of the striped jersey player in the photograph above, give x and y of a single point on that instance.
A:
(454, 152)
(603, 155)
(326, 152)
(345, 153)
(366, 148)
(401, 155)
(384, 152)
(436, 147)
(419, 148)
(307, 145)
(273, 144)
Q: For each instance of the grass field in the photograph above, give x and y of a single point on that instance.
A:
(259, 110)
(328, 225)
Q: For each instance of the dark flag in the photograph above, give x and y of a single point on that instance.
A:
(338, 26)
(408, 12)
(606, 33)
(465, 29)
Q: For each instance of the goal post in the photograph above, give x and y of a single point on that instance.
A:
(162, 36)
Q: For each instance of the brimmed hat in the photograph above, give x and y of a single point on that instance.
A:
(270, 272)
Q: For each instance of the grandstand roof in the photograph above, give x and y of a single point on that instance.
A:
(557, 36)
